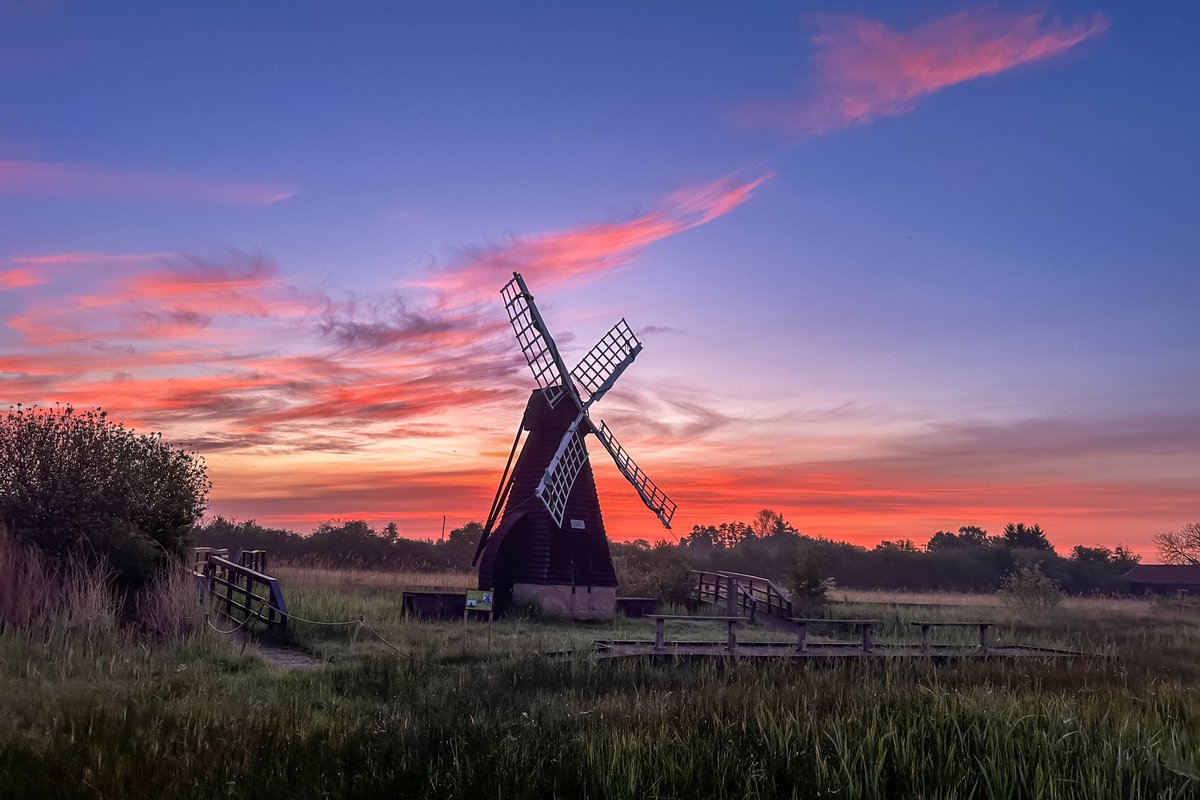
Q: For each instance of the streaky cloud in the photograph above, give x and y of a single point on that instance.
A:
(57, 178)
(588, 250)
(865, 70)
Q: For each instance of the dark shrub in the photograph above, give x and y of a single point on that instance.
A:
(76, 483)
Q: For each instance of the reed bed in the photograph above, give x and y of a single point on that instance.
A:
(480, 711)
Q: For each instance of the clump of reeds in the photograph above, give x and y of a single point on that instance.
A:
(53, 599)
(24, 586)
(169, 607)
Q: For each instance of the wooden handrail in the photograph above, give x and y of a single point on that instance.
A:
(753, 591)
(718, 590)
(240, 584)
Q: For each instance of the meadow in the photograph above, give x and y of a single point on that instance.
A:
(92, 709)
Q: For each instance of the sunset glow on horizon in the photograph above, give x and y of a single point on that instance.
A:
(895, 269)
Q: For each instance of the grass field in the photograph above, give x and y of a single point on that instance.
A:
(477, 710)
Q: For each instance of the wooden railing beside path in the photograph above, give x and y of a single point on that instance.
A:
(739, 592)
(243, 594)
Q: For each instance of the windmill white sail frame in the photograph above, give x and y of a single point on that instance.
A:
(597, 372)
(559, 478)
(538, 347)
(599, 369)
(655, 499)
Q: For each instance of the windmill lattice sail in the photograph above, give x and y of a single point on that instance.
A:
(559, 478)
(535, 341)
(655, 499)
(604, 363)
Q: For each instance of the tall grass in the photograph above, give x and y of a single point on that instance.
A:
(482, 713)
(44, 598)
(38, 596)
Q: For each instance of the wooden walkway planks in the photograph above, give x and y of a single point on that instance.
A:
(818, 651)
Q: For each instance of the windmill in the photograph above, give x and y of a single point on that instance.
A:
(549, 548)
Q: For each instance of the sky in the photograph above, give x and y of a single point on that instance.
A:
(897, 268)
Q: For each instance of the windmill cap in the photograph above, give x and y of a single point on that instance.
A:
(538, 414)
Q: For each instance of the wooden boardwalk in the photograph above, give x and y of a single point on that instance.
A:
(818, 651)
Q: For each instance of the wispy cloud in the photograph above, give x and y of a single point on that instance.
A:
(51, 178)
(865, 70)
(551, 258)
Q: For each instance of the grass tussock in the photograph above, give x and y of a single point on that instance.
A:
(51, 600)
(479, 711)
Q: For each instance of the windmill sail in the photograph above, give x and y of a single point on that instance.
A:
(605, 362)
(654, 498)
(559, 478)
(536, 343)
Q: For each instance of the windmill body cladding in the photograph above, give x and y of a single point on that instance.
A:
(549, 548)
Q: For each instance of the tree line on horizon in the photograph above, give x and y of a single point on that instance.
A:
(969, 559)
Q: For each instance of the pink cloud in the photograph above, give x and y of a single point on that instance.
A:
(555, 257)
(866, 70)
(88, 180)
(18, 278)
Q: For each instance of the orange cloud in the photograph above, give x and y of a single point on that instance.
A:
(88, 180)
(866, 70)
(555, 257)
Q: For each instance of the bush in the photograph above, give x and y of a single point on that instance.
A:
(1029, 588)
(77, 485)
(660, 572)
(810, 586)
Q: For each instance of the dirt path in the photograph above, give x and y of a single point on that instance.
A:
(286, 658)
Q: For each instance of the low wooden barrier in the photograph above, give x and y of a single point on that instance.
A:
(867, 626)
(660, 632)
(242, 594)
(984, 629)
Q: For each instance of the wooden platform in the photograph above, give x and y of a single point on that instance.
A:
(818, 651)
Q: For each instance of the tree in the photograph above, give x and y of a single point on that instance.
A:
(78, 484)
(767, 523)
(1117, 561)
(973, 535)
(899, 545)
(1098, 556)
(1031, 537)
(1181, 546)
(702, 539)
(731, 534)
(967, 536)
(1123, 559)
(462, 543)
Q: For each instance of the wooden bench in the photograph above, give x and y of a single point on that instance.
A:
(802, 624)
(660, 632)
(984, 627)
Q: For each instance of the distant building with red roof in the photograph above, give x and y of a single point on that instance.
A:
(1169, 579)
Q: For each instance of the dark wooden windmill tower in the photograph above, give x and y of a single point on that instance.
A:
(549, 548)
